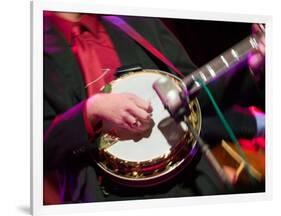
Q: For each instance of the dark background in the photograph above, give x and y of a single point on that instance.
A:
(205, 40)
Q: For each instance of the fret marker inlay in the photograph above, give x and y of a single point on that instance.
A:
(203, 76)
(234, 54)
(211, 70)
(224, 61)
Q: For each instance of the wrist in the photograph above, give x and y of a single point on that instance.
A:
(92, 109)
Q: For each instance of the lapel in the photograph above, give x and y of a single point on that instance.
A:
(129, 51)
(70, 86)
(62, 58)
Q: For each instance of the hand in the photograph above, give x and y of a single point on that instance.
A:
(256, 61)
(124, 110)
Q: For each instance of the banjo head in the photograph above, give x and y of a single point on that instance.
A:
(153, 157)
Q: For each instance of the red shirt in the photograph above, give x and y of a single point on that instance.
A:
(107, 55)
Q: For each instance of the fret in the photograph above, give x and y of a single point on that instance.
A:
(195, 79)
(223, 63)
(253, 42)
(211, 70)
(235, 54)
(229, 57)
(245, 46)
(202, 75)
(216, 65)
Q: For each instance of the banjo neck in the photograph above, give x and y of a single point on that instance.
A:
(223, 63)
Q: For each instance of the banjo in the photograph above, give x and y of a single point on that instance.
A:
(168, 148)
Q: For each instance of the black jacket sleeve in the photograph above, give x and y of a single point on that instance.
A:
(65, 136)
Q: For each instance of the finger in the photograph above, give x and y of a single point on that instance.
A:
(145, 126)
(262, 48)
(150, 109)
(129, 127)
(139, 113)
(136, 126)
(257, 28)
(131, 120)
(142, 104)
(132, 124)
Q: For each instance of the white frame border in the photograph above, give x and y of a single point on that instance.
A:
(37, 8)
